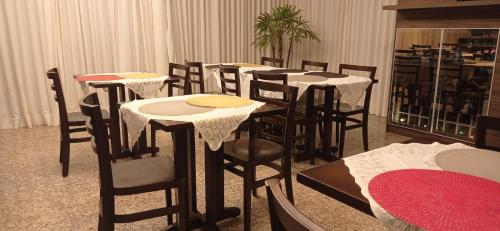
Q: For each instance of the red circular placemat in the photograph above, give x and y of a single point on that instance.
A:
(82, 78)
(438, 200)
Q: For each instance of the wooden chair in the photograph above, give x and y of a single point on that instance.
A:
(69, 122)
(450, 87)
(198, 72)
(228, 84)
(485, 123)
(185, 82)
(406, 85)
(343, 112)
(129, 177)
(252, 152)
(284, 216)
(275, 62)
(274, 124)
(321, 65)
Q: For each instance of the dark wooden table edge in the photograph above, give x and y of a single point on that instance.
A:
(335, 193)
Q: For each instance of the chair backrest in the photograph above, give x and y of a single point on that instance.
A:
(184, 77)
(449, 71)
(421, 49)
(271, 77)
(284, 216)
(90, 106)
(228, 84)
(288, 103)
(53, 74)
(196, 69)
(275, 62)
(368, 91)
(406, 70)
(487, 125)
(405, 52)
(321, 65)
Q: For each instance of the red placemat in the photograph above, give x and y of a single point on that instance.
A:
(82, 78)
(438, 200)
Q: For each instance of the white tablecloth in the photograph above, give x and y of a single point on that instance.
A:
(214, 126)
(363, 167)
(350, 89)
(144, 87)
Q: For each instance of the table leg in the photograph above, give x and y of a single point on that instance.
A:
(326, 152)
(184, 156)
(310, 126)
(214, 189)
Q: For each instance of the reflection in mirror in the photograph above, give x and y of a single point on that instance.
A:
(465, 76)
(413, 81)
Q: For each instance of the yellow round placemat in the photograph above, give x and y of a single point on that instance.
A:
(140, 75)
(248, 65)
(219, 101)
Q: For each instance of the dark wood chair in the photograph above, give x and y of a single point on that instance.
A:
(274, 124)
(275, 62)
(321, 65)
(196, 75)
(252, 152)
(484, 125)
(284, 216)
(343, 113)
(69, 122)
(407, 86)
(180, 72)
(130, 177)
(230, 85)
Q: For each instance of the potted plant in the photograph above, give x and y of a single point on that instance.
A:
(283, 22)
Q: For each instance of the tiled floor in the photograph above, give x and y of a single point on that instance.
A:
(33, 195)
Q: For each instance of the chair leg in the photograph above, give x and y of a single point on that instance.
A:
(64, 156)
(153, 141)
(105, 224)
(247, 199)
(365, 135)
(168, 197)
(342, 138)
(337, 127)
(254, 177)
(287, 172)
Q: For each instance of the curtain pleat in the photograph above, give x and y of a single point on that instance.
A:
(97, 36)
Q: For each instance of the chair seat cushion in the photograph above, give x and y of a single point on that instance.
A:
(141, 172)
(78, 118)
(263, 150)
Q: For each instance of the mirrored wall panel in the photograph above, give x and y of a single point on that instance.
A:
(441, 79)
(413, 78)
(465, 76)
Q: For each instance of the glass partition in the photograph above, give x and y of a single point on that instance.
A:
(413, 78)
(465, 75)
(441, 79)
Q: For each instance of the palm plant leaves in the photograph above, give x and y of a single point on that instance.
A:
(282, 22)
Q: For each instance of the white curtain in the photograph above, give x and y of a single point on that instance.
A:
(352, 32)
(92, 36)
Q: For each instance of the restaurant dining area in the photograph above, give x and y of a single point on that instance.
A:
(249, 115)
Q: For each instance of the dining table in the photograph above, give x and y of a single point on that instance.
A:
(315, 87)
(349, 180)
(139, 85)
(185, 124)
